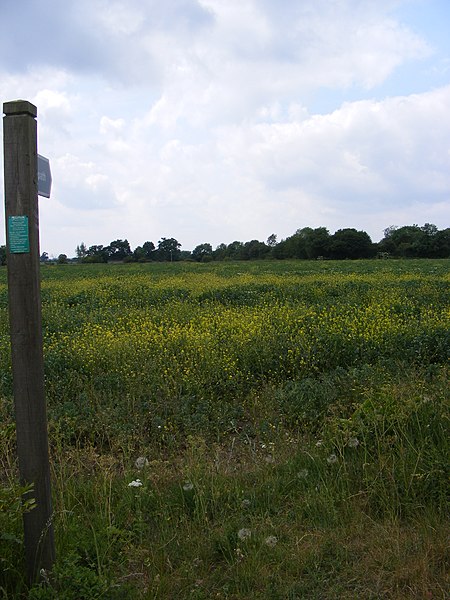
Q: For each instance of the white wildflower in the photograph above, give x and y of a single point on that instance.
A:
(271, 541)
(188, 486)
(332, 459)
(244, 534)
(353, 442)
(239, 554)
(44, 576)
(141, 462)
(245, 503)
(303, 474)
(135, 483)
(319, 443)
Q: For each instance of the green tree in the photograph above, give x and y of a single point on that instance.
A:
(254, 250)
(272, 240)
(305, 243)
(234, 250)
(202, 252)
(350, 243)
(138, 255)
(220, 252)
(118, 250)
(425, 244)
(313, 242)
(441, 244)
(96, 254)
(387, 244)
(403, 241)
(281, 250)
(62, 259)
(168, 249)
(149, 249)
(413, 241)
(81, 251)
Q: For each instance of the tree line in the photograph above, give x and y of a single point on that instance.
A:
(409, 241)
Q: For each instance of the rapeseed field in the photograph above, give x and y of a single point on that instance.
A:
(241, 430)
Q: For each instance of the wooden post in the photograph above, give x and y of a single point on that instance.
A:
(22, 246)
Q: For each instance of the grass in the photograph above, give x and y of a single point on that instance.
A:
(291, 419)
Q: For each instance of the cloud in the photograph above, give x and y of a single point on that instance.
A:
(106, 38)
(201, 119)
(392, 150)
(250, 56)
(348, 166)
(82, 184)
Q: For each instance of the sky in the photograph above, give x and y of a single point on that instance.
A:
(212, 121)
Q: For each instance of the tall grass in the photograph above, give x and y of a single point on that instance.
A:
(284, 427)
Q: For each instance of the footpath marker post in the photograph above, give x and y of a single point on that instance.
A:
(22, 247)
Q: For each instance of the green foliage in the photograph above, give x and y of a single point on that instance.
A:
(350, 243)
(410, 241)
(118, 250)
(12, 508)
(202, 253)
(168, 249)
(276, 409)
(95, 254)
(73, 580)
(413, 241)
(305, 243)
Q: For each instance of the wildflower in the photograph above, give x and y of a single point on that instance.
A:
(135, 483)
(353, 442)
(141, 462)
(303, 474)
(244, 534)
(245, 503)
(188, 486)
(271, 541)
(319, 443)
(239, 554)
(332, 459)
(44, 576)
(269, 459)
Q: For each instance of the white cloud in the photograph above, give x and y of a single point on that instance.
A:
(198, 118)
(120, 18)
(52, 101)
(111, 126)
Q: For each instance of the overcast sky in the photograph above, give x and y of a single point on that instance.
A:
(222, 120)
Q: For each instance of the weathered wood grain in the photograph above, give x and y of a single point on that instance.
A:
(21, 199)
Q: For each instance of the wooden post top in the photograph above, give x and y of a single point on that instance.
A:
(19, 107)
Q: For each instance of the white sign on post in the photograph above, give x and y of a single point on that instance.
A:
(44, 177)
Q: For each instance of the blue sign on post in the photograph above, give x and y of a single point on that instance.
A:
(44, 177)
(18, 234)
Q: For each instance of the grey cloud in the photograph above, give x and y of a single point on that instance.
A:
(45, 33)
(81, 36)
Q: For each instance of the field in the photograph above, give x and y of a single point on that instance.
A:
(283, 426)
